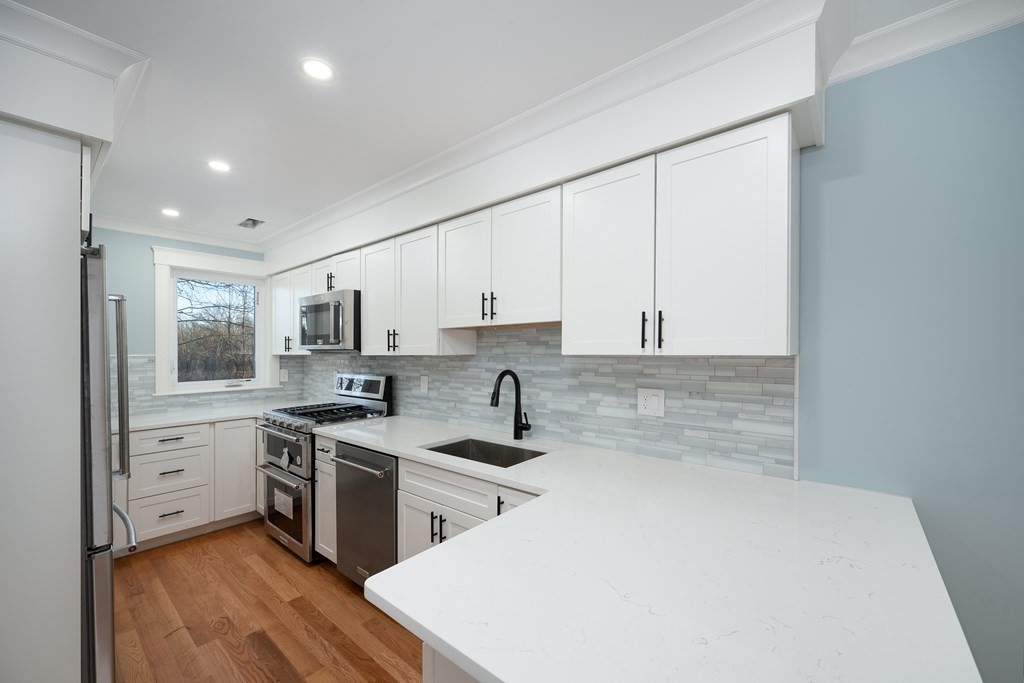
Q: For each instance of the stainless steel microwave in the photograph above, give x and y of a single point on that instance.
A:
(330, 321)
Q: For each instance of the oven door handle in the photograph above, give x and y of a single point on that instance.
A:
(279, 434)
(380, 474)
(295, 483)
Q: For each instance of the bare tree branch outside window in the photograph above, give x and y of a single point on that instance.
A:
(216, 331)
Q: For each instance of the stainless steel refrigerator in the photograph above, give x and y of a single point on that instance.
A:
(97, 464)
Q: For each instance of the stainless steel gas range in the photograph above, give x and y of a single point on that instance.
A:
(288, 459)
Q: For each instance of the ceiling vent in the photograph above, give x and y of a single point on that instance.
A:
(251, 223)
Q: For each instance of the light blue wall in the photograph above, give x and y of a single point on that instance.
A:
(912, 316)
(130, 272)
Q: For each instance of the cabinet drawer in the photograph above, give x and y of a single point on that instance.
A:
(157, 473)
(457, 491)
(164, 514)
(169, 438)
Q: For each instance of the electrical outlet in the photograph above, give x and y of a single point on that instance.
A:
(423, 384)
(284, 375)
(650, 402)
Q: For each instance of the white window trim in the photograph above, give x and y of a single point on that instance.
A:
(170, 264)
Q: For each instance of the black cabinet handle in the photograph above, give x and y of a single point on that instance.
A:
(389, 340)
(483, 305)
(171, 514)
(500, 503)
(394, 336)
(440, 527)
(661, 324)
(330, 282)
(171, 438)
(433, 534)
(287, 344)
(493, 299)
(180, 469)
(643, 329)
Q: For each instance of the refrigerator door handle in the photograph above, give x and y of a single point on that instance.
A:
(124, 469)
(132, 545)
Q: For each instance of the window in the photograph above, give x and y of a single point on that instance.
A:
(216, 335)
(212, 333)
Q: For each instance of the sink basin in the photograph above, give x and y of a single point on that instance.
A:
(496, 454)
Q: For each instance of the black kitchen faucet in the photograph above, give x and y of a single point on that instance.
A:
(520, 420)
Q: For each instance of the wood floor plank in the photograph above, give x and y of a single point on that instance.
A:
(131, 663)
(234, 605)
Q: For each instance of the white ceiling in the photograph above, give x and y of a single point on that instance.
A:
(415, 78)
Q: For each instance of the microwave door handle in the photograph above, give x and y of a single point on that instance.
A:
(335, 322)
(121, 331)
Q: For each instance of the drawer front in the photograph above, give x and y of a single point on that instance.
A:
(158, 473)
(324, 449)
(170, 512)
(169, 439)
(457, 491)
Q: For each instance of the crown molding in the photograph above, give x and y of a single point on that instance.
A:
(942, 26)
(753, 25)
(36, 31)
(176, 234)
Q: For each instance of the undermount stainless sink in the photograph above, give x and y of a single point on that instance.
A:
(489, 453)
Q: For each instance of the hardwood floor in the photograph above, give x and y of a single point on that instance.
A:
(233, 605)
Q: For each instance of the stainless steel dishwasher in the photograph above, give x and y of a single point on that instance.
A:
(367, 485)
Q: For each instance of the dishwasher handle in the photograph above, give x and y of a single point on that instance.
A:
(380, 474)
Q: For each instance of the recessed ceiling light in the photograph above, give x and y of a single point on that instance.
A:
(217, 165)
(173, 213)
(318, 69)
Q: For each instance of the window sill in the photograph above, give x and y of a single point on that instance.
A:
(217, 390)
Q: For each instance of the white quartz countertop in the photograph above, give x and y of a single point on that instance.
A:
(632, 568)
(187, 416)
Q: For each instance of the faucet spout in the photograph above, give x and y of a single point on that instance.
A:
(520, 421)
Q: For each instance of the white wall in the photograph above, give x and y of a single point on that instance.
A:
(40, 406)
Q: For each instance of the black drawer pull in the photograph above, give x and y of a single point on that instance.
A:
(171, 514)
(440, 528)
(180, 469)
(172, 438)
(433, 534)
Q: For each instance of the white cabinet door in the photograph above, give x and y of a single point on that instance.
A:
(416, 293)
(418, 522)
(455, 522)
(325, 535)
(510, 499)
(286, 289)
(346, 271)
(234, 473)
(464, 271)
(526, 258)
(608, 261)
(724, 244)
(378, 297)
(323, 273)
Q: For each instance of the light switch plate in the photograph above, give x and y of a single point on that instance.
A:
(284, 375)
(423, 384)
(650, 402)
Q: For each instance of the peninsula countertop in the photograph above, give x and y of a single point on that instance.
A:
(632, 568)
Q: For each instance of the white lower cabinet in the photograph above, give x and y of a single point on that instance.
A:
(439, 669)
(510, 499)
(169, 512)
(234, 491)
(423, 523)
(325, 533)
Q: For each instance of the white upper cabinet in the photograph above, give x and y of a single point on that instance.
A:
(399, 300)
(337, 272)
(377, 299)
(608, 261)
(726, 244)
(705, 263)
(502, 266)
(286, 290)
(464, 267)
